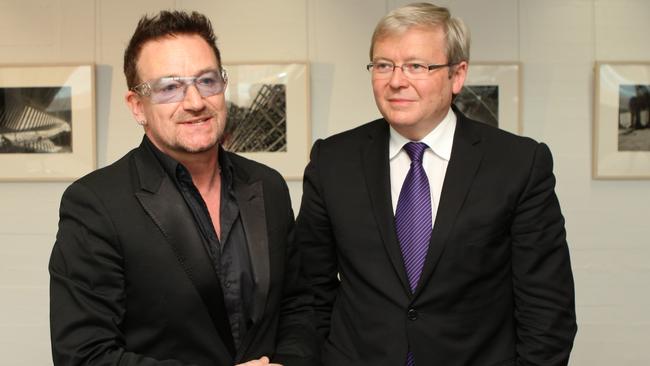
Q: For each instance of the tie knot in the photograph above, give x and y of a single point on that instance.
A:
(415, 150)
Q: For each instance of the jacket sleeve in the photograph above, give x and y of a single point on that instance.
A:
(542, 277)
(316, 242)
(296, 339)
(87, 287)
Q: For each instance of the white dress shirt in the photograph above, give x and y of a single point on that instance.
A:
(434, 161)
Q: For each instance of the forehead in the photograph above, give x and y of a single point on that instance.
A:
(411, 43)
(178, 55)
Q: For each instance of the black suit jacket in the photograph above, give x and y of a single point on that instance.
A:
(132, 282)
(496, 287)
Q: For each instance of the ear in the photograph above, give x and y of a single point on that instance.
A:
(135, 104)
(458, 76)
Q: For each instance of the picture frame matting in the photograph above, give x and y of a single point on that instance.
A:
(493, 80)
(47, 122)
(269, 114)
(621, 124)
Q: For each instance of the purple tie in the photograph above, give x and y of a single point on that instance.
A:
(413, 215)
(413, 219)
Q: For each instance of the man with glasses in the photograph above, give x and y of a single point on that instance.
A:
(180, 252)
(429, 238)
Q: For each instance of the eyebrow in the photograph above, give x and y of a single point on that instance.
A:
(407, 61)
(197, 74)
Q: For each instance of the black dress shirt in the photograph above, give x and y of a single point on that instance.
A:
(229, 253)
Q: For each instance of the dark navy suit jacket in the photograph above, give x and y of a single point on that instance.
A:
(497, 286)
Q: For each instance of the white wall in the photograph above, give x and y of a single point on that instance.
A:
(556, 42)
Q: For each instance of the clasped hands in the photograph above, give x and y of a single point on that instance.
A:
(262, 361)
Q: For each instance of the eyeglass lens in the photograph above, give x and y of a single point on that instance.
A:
(173, 89)
(385, 70)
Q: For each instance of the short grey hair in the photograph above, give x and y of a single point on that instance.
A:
(426, 15)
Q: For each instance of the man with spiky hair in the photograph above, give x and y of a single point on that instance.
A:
(180, 252)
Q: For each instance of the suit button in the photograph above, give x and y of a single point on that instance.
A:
(412, 314)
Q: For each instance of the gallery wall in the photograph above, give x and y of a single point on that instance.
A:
(556, 43)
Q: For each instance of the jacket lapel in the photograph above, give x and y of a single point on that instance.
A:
(164, 204)
(250, 199)
(466, 156)
(251, 208)
(377, 173)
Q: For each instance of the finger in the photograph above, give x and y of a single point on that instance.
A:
(262, 361)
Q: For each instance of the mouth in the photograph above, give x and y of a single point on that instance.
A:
(196, 121)
(399, 101)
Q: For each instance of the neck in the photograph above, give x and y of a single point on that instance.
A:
(415, 133)
(204, 169)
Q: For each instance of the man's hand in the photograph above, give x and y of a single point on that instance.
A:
(263, 361)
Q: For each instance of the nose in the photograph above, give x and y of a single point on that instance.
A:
(192, 100)
(398, 79)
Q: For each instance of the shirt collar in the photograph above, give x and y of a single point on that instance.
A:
(167, 162)
(439, 140)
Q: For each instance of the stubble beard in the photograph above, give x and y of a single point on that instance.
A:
(181, 143)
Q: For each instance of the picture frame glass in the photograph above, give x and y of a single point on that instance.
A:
(268, 115)
(621, 148)
(47, 122)
(491, 95)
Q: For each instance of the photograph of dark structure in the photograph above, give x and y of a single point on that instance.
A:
(634, 117)
(480, 102)
(261, 126)
(35, 120)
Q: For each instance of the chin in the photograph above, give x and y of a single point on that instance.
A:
(198, 147)
(202, 148)
(196, 150)
(401, 122)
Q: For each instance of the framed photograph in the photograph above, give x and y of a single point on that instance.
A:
(268, 115)
(491, 95)
(621, 145)
(47, 122)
